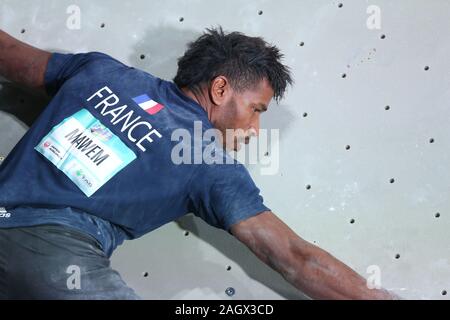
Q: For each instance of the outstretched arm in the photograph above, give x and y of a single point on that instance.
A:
(22, 63)
(309, 268)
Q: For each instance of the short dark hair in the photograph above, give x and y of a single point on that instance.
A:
(244, 60)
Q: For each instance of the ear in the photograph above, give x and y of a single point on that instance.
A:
(220, 90)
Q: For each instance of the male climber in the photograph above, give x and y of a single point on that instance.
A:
(96, 168)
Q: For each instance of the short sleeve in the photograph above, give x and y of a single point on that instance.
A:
(225, 194)
(62, 67)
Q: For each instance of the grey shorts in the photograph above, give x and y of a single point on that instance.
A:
(56, 262)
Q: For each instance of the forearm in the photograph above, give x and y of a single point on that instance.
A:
(22, 63)
(321, 276)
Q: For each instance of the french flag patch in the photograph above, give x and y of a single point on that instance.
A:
(150, 106)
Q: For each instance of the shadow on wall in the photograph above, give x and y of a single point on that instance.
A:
(24, 104)
(158, 51)
(240, 255)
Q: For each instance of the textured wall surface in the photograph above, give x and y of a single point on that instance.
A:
(366, 128)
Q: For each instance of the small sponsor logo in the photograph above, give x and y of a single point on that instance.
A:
(101, 132)
(80, 174)
(46, 144)
(4, 213)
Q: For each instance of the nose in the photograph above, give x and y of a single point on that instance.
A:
(254, 129)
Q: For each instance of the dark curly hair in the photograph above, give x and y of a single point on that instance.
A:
(244, 60)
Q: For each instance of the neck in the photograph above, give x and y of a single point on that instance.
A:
(199, 98)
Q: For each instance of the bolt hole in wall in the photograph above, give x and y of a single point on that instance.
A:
(230, 291)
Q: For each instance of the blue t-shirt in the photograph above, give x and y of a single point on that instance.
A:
(99, 158)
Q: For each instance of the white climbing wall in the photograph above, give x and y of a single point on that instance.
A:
(364, 135)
